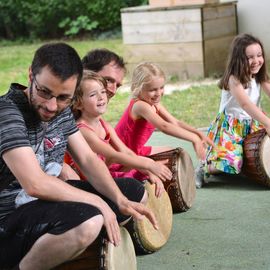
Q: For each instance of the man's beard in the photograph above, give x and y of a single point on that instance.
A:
(35, 108)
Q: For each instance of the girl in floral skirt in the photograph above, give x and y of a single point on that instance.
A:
(239, 112)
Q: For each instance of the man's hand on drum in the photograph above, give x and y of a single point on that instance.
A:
(110, 223)
(153, 179)
(161, 170)
(137, 211)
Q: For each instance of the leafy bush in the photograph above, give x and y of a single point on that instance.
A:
(76, 26)
(55, 18)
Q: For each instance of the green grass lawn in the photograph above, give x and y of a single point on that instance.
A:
(196, 105)
(16, 59)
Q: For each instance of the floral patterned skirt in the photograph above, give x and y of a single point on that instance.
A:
(228, 135)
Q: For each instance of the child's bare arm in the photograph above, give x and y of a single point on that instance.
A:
(143, 110)
(170, 118)
(130, 159)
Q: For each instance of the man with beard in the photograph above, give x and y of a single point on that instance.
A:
(107, 64)
(112, 68)
(45, 221)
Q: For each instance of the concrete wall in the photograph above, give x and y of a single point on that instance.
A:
(254, 18)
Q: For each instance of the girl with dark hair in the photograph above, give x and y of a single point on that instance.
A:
(239, 112)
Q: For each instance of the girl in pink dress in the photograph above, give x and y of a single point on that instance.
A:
(90, 103)
(145, 113)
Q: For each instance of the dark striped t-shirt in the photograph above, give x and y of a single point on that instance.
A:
(20, 126)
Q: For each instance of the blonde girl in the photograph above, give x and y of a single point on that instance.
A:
(145, 113)
(90, 103)
(239, 113)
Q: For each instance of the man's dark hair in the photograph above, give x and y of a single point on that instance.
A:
(96, 59)
(63, 61)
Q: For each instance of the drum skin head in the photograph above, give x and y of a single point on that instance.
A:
(123, 256)
(186, 178)
(151, 238)
(264, 154)
(102, 254)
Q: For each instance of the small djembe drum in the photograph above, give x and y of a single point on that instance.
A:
(256, 164)
(181, 188)
(145, 238)
(102, 254)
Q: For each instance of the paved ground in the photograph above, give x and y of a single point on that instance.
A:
(226, 228)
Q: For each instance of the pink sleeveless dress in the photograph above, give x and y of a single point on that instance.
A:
(116, 170)
(69, 160)
(134, 133)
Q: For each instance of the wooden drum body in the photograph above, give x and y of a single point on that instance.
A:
(103, 255)
(145, 238)
(256, 164)
(182, 188)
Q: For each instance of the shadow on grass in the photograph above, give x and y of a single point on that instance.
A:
(233, 182)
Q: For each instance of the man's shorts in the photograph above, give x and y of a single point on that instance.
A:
(21, 229)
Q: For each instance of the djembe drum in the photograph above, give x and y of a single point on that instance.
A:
(181, 189)
(146, 238)
(103, 255)
(256, 162)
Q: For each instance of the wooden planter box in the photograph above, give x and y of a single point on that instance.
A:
(187, 42)
(168, 3)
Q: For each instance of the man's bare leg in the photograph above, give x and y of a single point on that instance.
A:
(51, 250)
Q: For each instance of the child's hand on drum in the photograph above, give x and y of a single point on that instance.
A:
(206, 140)
(199, 149)
(153, 179)
(161, 170)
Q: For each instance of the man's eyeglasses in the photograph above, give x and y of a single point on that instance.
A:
(61, 99)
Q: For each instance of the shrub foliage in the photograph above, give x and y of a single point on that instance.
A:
(47, 19)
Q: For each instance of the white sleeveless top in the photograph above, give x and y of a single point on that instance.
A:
(232, 107)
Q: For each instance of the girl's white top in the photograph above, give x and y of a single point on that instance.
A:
(232, 107)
